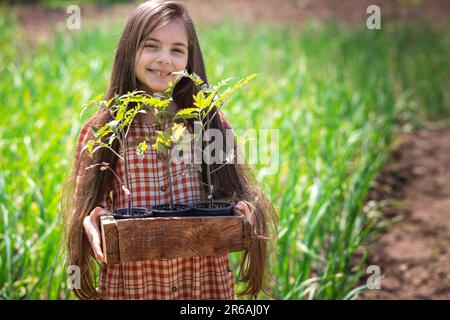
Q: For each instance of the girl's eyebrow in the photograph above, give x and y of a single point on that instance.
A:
(175, 44)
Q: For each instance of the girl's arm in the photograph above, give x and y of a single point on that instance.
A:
(91, 223)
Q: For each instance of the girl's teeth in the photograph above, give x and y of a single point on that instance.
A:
(159, 73)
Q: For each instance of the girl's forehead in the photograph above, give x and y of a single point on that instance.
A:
(173, 32)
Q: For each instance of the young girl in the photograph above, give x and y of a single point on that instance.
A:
(159, 38)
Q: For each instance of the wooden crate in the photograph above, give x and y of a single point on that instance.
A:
(175, 237)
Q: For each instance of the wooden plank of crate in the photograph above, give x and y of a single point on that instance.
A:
(110, 239)
(167, 238)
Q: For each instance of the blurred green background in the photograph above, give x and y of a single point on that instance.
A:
(339, 96)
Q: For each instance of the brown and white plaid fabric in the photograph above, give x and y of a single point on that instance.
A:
(208, 277)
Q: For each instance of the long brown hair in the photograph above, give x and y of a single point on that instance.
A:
(85, 189)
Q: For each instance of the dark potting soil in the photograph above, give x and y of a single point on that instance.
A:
(205, 205)
(166, 207)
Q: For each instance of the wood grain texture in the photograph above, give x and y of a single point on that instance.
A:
(110, 239)
(175, 237)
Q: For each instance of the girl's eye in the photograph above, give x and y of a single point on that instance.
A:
(153, 46)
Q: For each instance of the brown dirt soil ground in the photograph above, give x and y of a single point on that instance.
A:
(414, 253)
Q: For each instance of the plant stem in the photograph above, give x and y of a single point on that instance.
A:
(129, 126)
(219, 167)
(112, 150)
(107, 167)
(169, 178)
(211, 118)
(208, 171)
(125, 162)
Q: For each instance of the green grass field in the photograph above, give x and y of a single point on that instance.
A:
(338, 97)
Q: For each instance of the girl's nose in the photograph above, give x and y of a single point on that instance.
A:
(163, 57)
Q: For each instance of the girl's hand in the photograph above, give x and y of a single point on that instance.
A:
(91, 224)
(244, 208)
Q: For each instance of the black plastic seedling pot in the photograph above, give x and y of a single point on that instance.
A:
(122, 213)
(219, 208)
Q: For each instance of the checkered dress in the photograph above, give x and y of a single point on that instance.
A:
(208, 277)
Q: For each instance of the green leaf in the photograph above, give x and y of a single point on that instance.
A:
(141, 148)
(159, 147)
(177, 132)
(221, 84)
(108, 103)
(224, 96)
(187, 113)
(120, 114)
(165, 135)
(95, 130)
(163, 138)
(90, 147)
(111, 139)
(196, 78)
(100, 133)
(209, 99)
(201, 101)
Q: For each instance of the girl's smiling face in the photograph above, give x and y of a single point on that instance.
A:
(165, 50)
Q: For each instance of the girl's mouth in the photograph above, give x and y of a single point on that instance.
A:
(159, 73)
